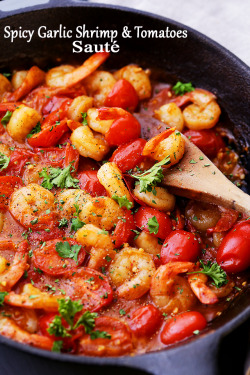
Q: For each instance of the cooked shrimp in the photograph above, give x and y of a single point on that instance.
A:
(80, 105)
(34, 77)
(71, 78)
(131, 271)
(12, 273)
(158, 198)
(22, 121)
(88, 144)
(202, 215)
(32, 298)
(171, 115)
(208, 294)
(101, 126)
(18, 78)
(55, 75)
(4, 149)
(138, 78)
(5, 84)
(10, 329)
(91, 236)
(100, 258)
(69, 199)
(170, 292)
(110, 177)
(103, 212)
(198, 119)
(148, 243)
(32, 205)
(98, 85)
(168, 143)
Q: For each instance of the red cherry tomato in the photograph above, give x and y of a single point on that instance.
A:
(145, 320)
(123, 130)
(143, 215)
(122, 95)
(44, 236)
(7, 185)
(129, 155)
(207, 140)
(88, 181)
(182, 326)
(233, 254)
(53, 104)
(18, 160)
(118, 343)
(48, 259)
(123, 230)
(180, 246)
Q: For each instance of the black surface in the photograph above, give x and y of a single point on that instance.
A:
(195, 59)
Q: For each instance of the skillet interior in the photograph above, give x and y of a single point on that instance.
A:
(195, 59)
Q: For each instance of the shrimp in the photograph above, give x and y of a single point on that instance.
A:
(110, 177)
(171, 115)
(63, 78)
(168, 143)
(159, 198)
(148, 243)
(10, 329)
(22, 121)
(91, 236)
(80, 105)
(208, 294)
(89, 144)
(170, 292)
(102, 212)
(32, 205)
(138, 78)
(18, 78)
(5, 84)
(94, 122)
(100, 258)
(202, 215)
(98, 85)
(69, 199)
(11, 274)
(33, 298)
(198, 119)
(4, 149)
(131, 271)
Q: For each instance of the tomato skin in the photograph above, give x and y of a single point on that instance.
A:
(233, 254)
(123, 230)
(123, 130)
(180, 242)
(145, 320)
(7, 185)
(88, 181)
(207, 140)
(182, 326)
(49, 261)
(145, 213)
(122, 95)
(129, 155)
(53, 104)
(18, 160)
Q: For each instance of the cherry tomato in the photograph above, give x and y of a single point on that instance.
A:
(53, 104)
(88, 181)
(233, 254)
(71, 157)
(119, 342)
(7, 185)
(145, 320)
(18, 160)
(180, 246)
(124, 229)
(123, 130)
(226, 221)
(129, 155)
(52, 156)
(43, 235)
(182, 326)
(48, 259)
(208, 141)
(142, 217)
(122, 95)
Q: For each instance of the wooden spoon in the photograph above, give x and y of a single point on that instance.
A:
(195, 176)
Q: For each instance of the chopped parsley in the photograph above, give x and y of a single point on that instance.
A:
(6, 118)
(76, 224)
(153, 225)
(63, 223)
(35, 130)
(122, 201)
(57, 329)
(2, 296)
(57, 346)
(66, 251)
(99, 335)
(58, 177)
(84, 120)
(181, 88)
(68, 309)
(4, 161)
(214, 271)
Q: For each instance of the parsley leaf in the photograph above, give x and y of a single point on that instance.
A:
(87, 320)
(35, 130)
(99, 335)
(4, 161)
(66, 251)
(181, 88)
(152, 176)
(153, 225)
(122, 201)
(63, 223)
(2, 295)
(57, 346)
(214, 271)
(57, 329)
(58, 177)
(84, 120)
(76, 224)
(68, 309)
(6, 118)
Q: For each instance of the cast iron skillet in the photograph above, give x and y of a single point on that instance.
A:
(197, 59)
